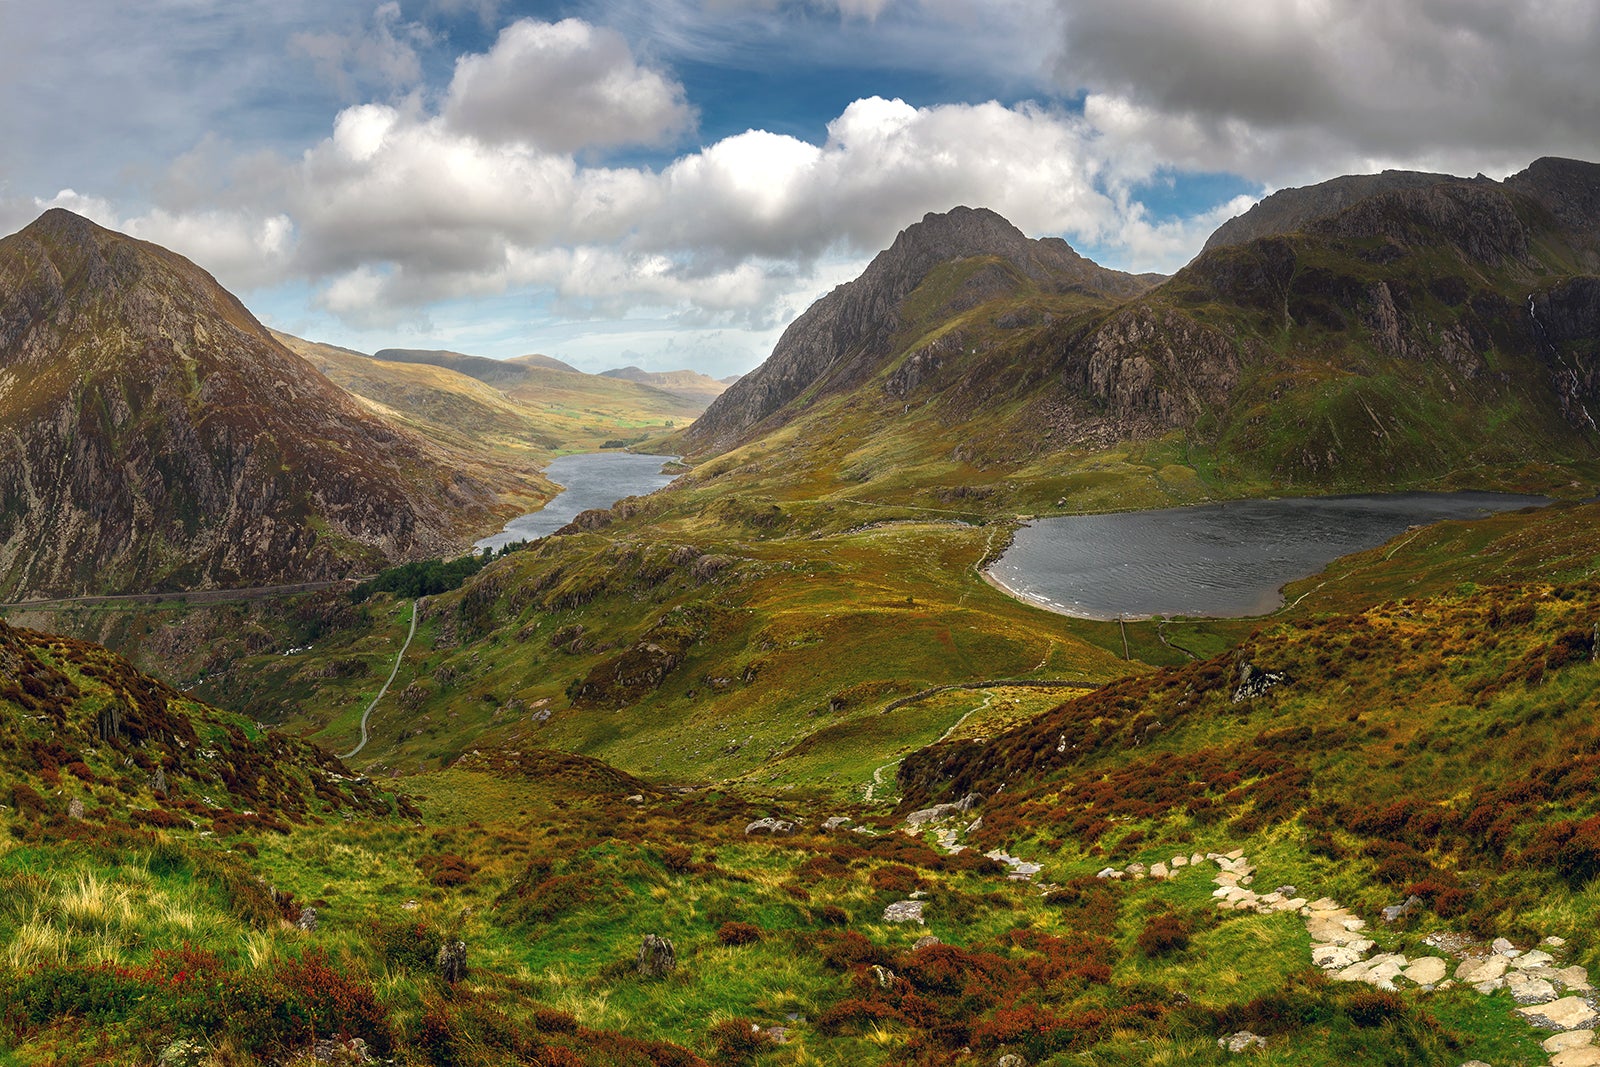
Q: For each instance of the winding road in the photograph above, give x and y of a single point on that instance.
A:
(416, 610)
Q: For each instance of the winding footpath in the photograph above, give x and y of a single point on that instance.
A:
(416, 610)
(1551, 997)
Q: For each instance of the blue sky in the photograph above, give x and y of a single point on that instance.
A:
(669, 182)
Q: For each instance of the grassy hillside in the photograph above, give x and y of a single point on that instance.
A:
(529, 417)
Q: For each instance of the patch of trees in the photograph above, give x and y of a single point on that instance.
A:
(429, 577)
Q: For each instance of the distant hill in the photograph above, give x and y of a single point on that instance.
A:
(492, 371)
(518, 411)
(690, 385)
(155, 435)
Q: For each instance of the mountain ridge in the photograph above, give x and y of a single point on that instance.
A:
(157, 436)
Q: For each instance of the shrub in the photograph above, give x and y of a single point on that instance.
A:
(447, 869)
(1164, 935)
(737, 933)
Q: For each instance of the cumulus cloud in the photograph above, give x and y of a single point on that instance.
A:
(1288, 90)
(563, 86)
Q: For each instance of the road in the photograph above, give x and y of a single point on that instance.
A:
(416, 610)
(192, 596)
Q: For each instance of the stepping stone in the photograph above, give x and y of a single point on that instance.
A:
(1325, 904)
(1568, 1013)
(1196, 859)
(1179, 861)
(1529, 990)
(1109, 872)
(1570, 1040)
(1478, 969)
(1554, 942)
(1236, 854)
(1577, 1057)
(1533, 959)
(1428, 970)
(1334, 957)
(1574, 978)
(1501, 947)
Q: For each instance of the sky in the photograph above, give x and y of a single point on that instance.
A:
(668, 183)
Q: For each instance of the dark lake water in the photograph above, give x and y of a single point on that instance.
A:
(1216, 559)
(590, 480)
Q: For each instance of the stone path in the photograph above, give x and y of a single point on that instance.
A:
(1552, 997)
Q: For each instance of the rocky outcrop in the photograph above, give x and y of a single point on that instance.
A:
(154, 435)
(1293, 210)
(657, 958)
(844, 338)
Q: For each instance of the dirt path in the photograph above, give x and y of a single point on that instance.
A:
(416, 610)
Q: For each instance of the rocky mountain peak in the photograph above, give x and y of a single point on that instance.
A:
(845, 337)
(155, 434)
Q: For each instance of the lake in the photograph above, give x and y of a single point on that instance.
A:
(589, 480)
(1220, 560)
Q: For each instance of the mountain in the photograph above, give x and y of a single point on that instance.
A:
(1290, 210)
(690, 385)
(1404, 329)
(492, 371)
(153, 434)
(850, 335)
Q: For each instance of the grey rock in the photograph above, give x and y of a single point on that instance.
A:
(452, 961)
(1243, 1041)
(769, 826)
(903, 911)
(1010, 1059)
(925, 941)
(75, 809)
(307, 920)
(882, 975)
(1255, 681)
(657, 958)
(1395, 912)
(836, 822)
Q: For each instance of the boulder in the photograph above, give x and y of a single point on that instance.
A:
(75, 809)
(836, 822)
(1010, 1059)
(925, 941)
(307, 920)
(882, 975)
(657, 958)
(769, 826)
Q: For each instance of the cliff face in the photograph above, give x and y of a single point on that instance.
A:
(846, 338)
(154, 435)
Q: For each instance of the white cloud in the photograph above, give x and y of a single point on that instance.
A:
(563, 87)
